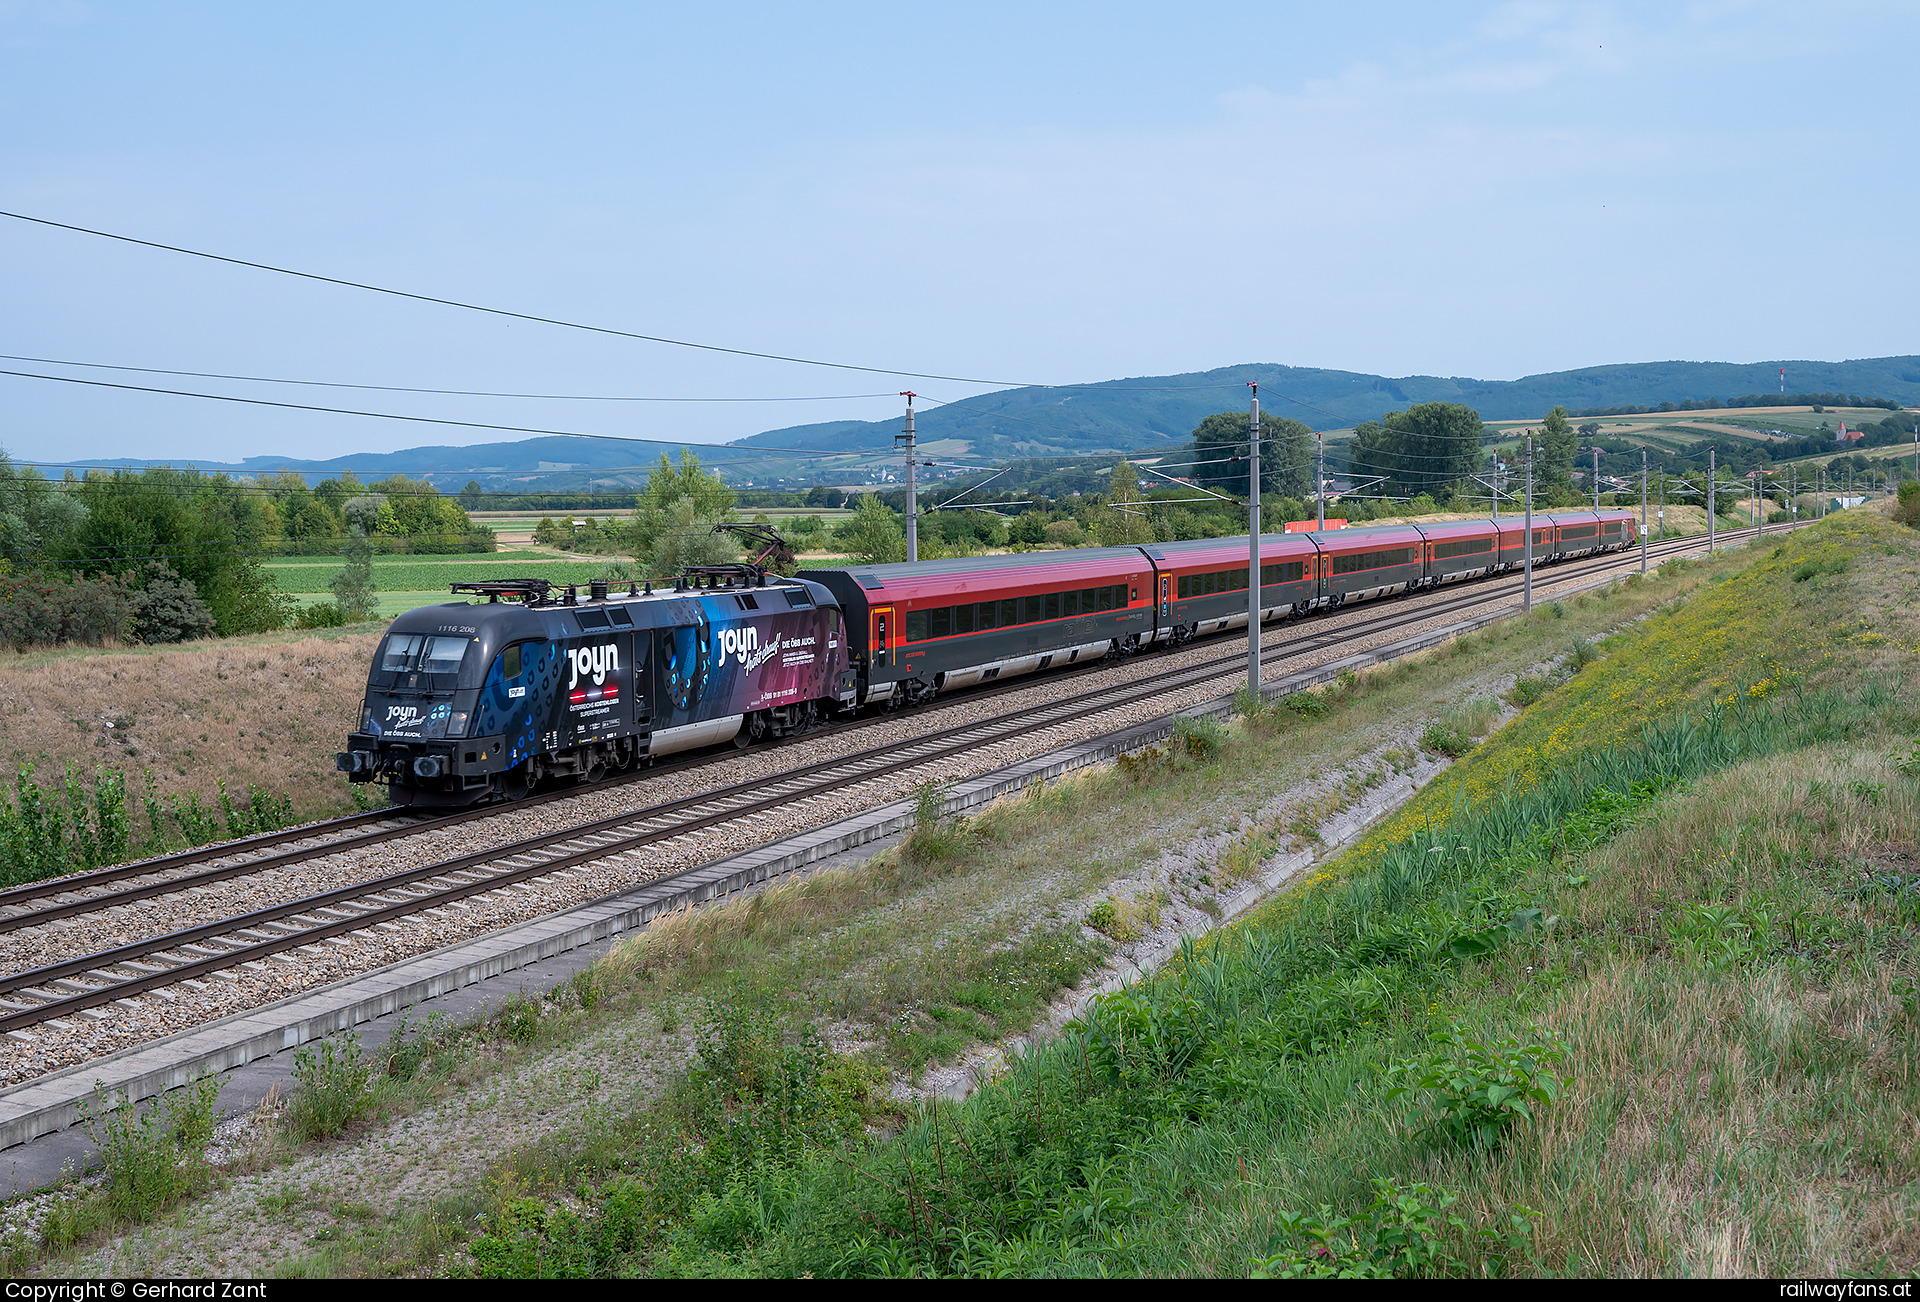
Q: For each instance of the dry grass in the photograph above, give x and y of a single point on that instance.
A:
(1742, 1098)
(269, 712)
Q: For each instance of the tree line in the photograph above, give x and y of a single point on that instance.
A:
(164, 554)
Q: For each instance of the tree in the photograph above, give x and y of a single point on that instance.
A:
(1423, 449)
(33, 513)
(1286, 455)
(472, 497)
(353, 586)
(685, 539)
(1558, 442)
(874, 534)
(1029, 529)
(167, 609)
(1123, 518)
(681, 503)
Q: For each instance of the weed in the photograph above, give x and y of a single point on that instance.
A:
(1477, 1090)
(519, 1018)
(156, 1157)
(1559, 609)
(1401, 1236)
(1443, 737)
(330, 1088)
(1581, 653)
(936, 836)
(411, 1044)
(1529, 688)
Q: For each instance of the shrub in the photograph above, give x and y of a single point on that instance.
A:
(1197, 738)
(167, 608)
(1067, 533)
(331, 1088)
(1529, 688)
(1443, 737)
(936, 835)
(411, 1044)
(37, 611)
(1309, 705)
(1477, 1090)
(322, 614)
(153, 1158)
(1907, 511)
(1816, 566)
(79, 826)
(1581, 653)
(1401, 1236)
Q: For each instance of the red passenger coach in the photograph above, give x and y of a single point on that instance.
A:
(1460, 549)
(1360, 564)
(939, 625)
(1203, 583)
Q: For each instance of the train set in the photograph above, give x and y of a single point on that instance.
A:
(480, 700)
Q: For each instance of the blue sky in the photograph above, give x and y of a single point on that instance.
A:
(1020, 192)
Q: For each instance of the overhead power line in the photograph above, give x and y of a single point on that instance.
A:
(390, 415)
(403, 388)
(565, 324)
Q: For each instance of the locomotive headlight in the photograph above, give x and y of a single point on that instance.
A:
(366, 719)
(457, 723)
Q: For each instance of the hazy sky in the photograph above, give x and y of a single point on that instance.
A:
(1020, 192)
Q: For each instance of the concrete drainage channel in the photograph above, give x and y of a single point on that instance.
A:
(37, 1117)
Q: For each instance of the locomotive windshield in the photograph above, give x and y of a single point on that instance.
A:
(411, 652)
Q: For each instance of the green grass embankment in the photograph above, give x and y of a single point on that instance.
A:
(1631, 990)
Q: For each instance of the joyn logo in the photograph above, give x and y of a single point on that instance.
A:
(403, 716)
(594, 662)
(738, 642)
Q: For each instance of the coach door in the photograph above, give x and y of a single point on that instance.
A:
(881, 636)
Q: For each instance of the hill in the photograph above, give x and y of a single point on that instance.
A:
(1125, 415)
(1148, 411)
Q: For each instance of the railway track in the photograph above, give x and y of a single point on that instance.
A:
(88, 981)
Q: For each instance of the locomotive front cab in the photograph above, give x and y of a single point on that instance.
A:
(445, 717)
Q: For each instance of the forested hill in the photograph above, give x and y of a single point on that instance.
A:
(1144, 411)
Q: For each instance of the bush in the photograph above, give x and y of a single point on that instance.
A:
(1401, 1236)
(80, 826)
(1907, 511)
(1477, 1090)
(331, 1088)
(1445, 738)
(936, 835)
(39, 611)
(1066, 533)
(322, 614)
(1529, 688)
(153, 1158)
(167, 608)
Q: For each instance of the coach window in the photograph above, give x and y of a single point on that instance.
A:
(1032, 612)
(1009, 613)
(985, 618)
(940, 621)
(916, 630)
(1052, 610)
(963, 619)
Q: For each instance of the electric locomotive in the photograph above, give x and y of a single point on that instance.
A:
(476, 701)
